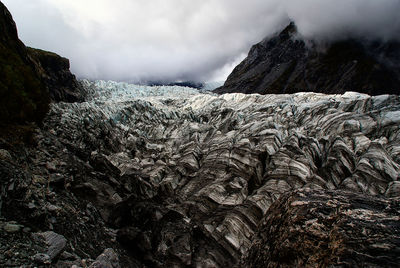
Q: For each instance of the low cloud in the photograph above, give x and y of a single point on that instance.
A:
(335, 19)
(195, 40)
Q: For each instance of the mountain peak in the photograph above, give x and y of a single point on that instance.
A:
(289, 31)
(283, 64)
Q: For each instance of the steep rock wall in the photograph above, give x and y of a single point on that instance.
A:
(30, 78)
(288, 64)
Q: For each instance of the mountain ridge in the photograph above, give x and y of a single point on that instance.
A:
(286, 63)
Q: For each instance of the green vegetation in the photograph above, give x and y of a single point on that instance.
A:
(23, 96)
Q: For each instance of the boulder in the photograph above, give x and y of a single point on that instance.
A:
(53, 243)
(107, 259)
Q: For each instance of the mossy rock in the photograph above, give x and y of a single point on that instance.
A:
(23, 95)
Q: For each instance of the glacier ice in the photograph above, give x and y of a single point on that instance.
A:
(229, 157)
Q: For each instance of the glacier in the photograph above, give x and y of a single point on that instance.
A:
(205, 168)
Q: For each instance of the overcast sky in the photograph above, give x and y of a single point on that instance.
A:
(200, 40)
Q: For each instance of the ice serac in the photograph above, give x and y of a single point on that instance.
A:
(186, 178)
(286, 63)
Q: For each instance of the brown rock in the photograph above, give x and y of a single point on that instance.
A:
(320, 228)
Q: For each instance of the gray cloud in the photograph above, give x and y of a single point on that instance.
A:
(138, 40)
(333, 19)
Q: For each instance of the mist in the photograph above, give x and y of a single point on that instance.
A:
(180, 40)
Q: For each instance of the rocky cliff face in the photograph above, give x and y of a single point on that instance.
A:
(167, 176)
(287, 64)
(23, 96)
(30, 78)
(54, 71)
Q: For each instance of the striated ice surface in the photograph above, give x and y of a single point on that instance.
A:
(220, 161)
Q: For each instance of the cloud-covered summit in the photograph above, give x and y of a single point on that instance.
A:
(196, 40)
(333, 19)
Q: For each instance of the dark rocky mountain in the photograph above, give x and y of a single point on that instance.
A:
(30, 78)
(286, 63)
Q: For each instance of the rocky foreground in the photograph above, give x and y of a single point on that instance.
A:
(170, 177)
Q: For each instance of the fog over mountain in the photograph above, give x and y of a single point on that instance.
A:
(185, 40)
